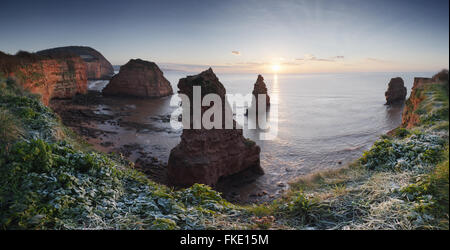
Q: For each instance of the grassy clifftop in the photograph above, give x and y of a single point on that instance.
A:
(51, 179)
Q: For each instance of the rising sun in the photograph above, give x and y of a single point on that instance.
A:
(276, 67)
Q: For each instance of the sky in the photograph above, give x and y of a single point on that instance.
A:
(254, 36)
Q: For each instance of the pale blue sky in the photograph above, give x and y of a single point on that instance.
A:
(300, 36)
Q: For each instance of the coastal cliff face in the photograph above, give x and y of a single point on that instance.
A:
(139, 78)
(97, 67)
(396, 92)
(414, 105)
(205, 155)
(50, 77)
(409, 117)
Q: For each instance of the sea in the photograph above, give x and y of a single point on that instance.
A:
(323, 121)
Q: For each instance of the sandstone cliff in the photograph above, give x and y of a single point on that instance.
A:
(205, 155)
(396, 92)
(139, 78)
(97, 67)
(412, 110)
(60, 76)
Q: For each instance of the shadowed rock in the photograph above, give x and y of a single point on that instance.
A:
(205, 155)
(259, 88)
(396, 92)
(139, 78)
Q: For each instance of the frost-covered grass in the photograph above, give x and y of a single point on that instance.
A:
(48, 180)
(402, 182)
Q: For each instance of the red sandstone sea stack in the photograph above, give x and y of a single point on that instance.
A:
(259, 88)
(396, 92)
(139, 78)
(205, 155)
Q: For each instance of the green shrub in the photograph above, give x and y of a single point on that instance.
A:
(300, 204)
(10, 128)
(401, 132)
(163, 224)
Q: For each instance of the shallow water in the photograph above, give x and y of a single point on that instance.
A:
(324, 121)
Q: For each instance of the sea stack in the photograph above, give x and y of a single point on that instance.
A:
(205, 155)
(259, 88)
(97, 67)
(139, 78)
(396, 92)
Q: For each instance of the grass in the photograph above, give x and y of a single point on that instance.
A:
(51, 179)
(48, 180)
(402, 182)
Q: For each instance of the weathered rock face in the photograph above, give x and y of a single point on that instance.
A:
(56, 77)
(97, 67)
(259, 88)
(396, 92)
(205, 155)
(139, 78)
(410, 117)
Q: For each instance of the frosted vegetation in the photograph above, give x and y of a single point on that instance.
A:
(51, 179)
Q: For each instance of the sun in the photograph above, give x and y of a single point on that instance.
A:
(276, 67)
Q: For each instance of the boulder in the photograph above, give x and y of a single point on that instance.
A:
(139, 78)
(396, 92)
(97, 67)
(205, 155)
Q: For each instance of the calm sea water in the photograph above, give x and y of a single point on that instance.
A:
(324, 121)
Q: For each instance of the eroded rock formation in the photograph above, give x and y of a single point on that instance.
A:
(396, 92)
(60, 76)
(205, 155)
(259, 88)
(97, 67)
(139, 78)
(410, 117)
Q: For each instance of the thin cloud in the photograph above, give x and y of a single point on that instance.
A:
(310, 57)
(235, 52)
(377, 60)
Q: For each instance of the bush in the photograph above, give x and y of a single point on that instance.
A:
(10, 128)
(401, 132)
